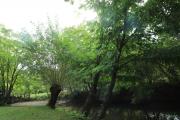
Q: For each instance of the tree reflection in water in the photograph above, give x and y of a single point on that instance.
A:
(161, 116)
(129, 114)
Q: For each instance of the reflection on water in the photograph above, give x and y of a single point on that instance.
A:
(162, 116)
(129, 114)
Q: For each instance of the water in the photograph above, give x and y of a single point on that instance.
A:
(139, 114)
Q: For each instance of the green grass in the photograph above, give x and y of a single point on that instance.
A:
(38, 113)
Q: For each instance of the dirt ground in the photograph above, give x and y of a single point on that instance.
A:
(36, 103)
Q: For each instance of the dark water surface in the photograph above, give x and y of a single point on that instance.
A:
(140, 114)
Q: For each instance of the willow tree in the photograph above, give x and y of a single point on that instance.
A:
(48, 58)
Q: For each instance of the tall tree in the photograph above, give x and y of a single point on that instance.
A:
(11, 63)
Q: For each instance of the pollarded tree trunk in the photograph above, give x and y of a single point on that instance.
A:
(55, 89)
(8, 92)
(8, 97)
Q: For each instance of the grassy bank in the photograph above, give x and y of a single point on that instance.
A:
(38, 113)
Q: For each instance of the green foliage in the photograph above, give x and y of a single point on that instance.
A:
(163, 15)
(11, 64)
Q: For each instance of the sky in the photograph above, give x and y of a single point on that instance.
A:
(22, 14)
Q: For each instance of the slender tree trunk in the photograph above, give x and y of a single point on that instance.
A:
(120, 43)
(70, 87)
(54, 90)
(91, 96)
(92, 93)
(93, 89)
(111, 86)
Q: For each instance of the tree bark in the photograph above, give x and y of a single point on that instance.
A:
(91, 96)
(111, 86)
(3, 82)
(120, 43)
(93, 91)
(55, 89)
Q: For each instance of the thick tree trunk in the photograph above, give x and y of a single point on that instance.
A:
(93, 92)
(8, 97)
(54, 90)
